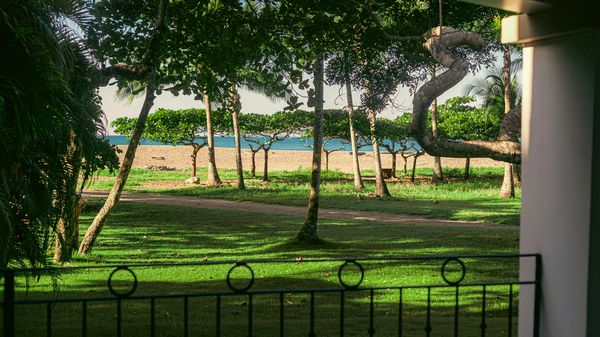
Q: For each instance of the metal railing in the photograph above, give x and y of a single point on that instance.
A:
(450, 278)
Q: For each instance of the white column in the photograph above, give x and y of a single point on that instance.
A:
(560, 98)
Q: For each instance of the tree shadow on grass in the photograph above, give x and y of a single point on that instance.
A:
(138, 232)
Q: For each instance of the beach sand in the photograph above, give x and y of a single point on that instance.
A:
(179, 157)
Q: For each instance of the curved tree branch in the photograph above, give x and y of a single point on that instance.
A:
(507, 148)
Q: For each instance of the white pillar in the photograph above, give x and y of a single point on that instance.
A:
(560, 204)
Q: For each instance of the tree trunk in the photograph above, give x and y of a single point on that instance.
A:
(115, 193)
(213, 174)
(414, 169)
(381, 189)
(68, 217)
(507, 148)
(517, 174)
(467, 168)
(438, 174)
(235, 105)
(266, 165)
(195, 150)
(327, 153)
(308, 232)
(358, 181)
(405, 163)
(74, 241)
(394, 154)
(508, 185)
(253, 168)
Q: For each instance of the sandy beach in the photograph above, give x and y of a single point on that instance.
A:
(178, 157)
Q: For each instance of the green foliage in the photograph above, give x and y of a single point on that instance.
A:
(46, 96)
(490, 88)
(106, 158)
(174, 127)
(264, 130)
(460, 120)
(394, 135)
(336, 126)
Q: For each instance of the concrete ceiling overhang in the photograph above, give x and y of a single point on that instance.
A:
(517, 6)
(544, 19)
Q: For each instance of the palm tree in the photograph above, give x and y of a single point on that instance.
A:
(50, 119)
(500, 90)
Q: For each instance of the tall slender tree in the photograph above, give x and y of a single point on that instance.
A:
(213, 174)
(308, 232)
(507, 190)
(234, 104)
(149, 61)
(381, 189)
(358, 181)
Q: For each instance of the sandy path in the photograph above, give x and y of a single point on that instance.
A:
(295, 211)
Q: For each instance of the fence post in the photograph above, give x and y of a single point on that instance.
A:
(538, 295)
(9, 303)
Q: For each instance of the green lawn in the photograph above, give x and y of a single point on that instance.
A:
(456, 199)
(139, 233)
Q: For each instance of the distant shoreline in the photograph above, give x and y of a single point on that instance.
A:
(228, 142)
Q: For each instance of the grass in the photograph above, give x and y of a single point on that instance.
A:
(456, 199)
(140, 233)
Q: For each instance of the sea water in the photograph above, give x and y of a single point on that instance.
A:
(290, 143)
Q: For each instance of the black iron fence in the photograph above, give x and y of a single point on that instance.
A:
(448, 295)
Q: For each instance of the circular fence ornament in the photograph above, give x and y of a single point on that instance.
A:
(132, 288)
(250, 282)
(341, 270)
(462, 271)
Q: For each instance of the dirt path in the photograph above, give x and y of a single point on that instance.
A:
(295, 211)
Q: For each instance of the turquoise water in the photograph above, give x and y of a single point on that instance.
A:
(291, 143)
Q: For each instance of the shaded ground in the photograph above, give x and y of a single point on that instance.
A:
(148, 232)
(296, 211)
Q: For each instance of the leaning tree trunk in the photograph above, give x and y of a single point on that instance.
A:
(381, 189)
(438, 174)
(467, 168)
(74, 241)
(394, 154)
(414, 168)
(308, 232)
(235, 105)
(507, 148)
(358, 181)
(151, 60)
(213, 173)
(508, 184)
(266, 165)
(115, 193)
(69, 217)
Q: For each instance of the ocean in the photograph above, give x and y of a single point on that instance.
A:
(291, 143)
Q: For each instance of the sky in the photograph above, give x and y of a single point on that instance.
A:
(257, 103)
